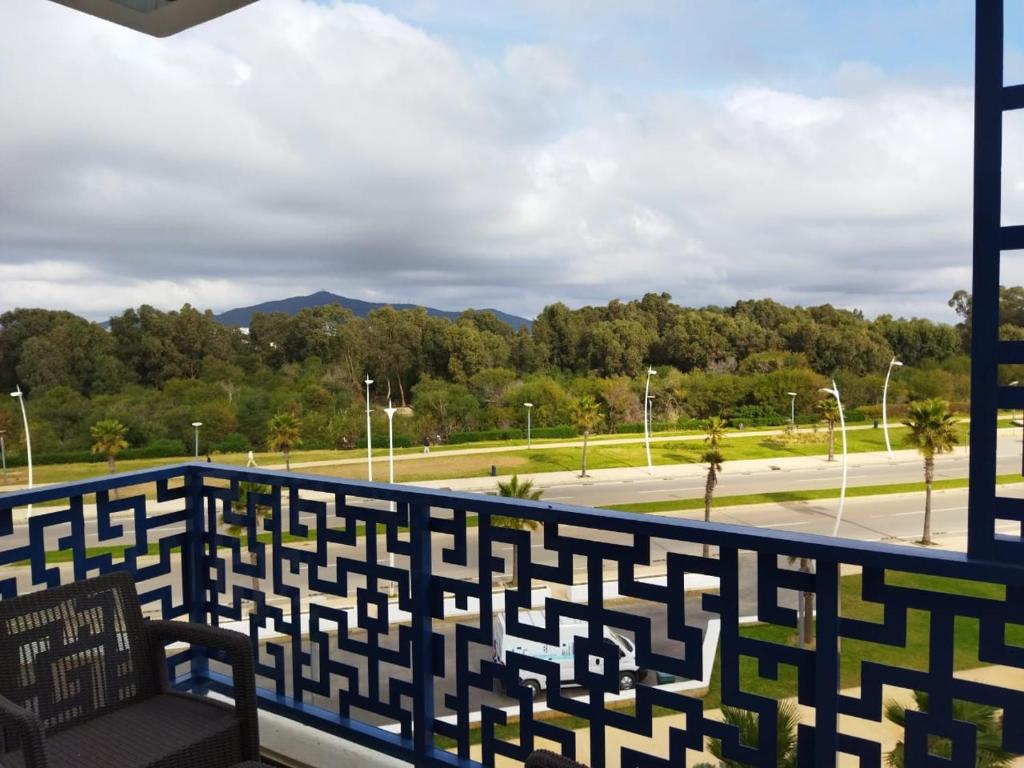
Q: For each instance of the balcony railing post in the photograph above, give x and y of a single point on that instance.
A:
(984, 319)
(826, 658)
(422, 633)
(194, 572)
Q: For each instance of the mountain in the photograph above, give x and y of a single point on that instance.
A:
(242, 316)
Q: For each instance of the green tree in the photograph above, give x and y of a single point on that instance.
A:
(829, 410)
(987, 722)
(109, 438)
(748, 725)
(932, 431)
(586, 415)
(514, 489)
(714, 433)
(284, 433)
(247, 491)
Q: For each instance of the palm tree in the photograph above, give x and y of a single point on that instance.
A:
(714, 433)
(285, 433)
(110, 437)
(262, 511)
(514, 489)
(829, 410)
(986, 720)
(748, 724)
(586, 415)
(932, 431)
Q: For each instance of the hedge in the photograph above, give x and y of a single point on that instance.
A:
(400, 441)
(658, 426)
(510, 433)
(158, 449)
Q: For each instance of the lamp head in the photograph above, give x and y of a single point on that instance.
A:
(651, 372)
(16, 392)
(197, 424)
(1013, 383)
(791, 394)
(368, 381)
(528, 405)
(897, 363)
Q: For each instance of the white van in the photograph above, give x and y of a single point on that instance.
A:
(562, 653)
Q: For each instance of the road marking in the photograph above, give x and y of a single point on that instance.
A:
(919, 512)
(785, 525)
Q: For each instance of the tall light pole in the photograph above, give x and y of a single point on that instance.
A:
(196, 425)
(369, 439)
(390, 411)
(3, 452)
(17, 393)
(885, 394)
(391, 442)
(834, 391)
(792, 410)
(647, 429)
(529, 411)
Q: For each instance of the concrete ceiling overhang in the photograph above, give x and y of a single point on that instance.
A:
(160, 18)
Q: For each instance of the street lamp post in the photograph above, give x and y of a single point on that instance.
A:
(390, 411)
(529, 411)
(647, 430)
(834, 391)
(369, 439)
(196, 425)
(17, 393)
(885, 393)
(792, 411)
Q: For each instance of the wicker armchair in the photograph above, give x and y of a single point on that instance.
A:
(83, 684)
(545, 758)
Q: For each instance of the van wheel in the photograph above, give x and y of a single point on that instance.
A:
(627, 681)
(533, 686)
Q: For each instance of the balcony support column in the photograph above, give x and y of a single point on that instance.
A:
(194, 574)
(422, 637)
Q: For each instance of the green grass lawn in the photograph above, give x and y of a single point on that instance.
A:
(542, 458)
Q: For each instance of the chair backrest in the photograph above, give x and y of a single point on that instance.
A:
(74, 652)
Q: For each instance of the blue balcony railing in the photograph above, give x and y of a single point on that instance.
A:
(371, 607)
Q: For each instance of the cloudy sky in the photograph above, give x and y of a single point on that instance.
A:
(509, 154)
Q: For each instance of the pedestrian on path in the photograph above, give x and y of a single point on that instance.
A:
(426, 445)
(251, 462)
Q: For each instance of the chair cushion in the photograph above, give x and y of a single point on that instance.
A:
(164, 731)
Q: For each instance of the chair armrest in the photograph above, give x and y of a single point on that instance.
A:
(29, 729)
(243, 669)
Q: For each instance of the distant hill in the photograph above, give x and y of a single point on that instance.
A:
(242, 316)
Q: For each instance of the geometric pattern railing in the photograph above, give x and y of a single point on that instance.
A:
(371, 610)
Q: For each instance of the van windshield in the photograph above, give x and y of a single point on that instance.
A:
(624, 642)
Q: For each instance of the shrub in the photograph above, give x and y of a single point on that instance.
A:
(401, 441)
(233, 443)
(638, 427)
(510, 433)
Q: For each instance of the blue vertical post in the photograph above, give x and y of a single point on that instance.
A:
(988, 140)
(826, 666)
(194, 572)
(422, 634)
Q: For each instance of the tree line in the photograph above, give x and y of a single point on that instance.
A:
(156, 372)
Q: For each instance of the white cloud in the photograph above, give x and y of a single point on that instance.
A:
(295, 146)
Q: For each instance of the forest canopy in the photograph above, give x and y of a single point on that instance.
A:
(156, 372)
